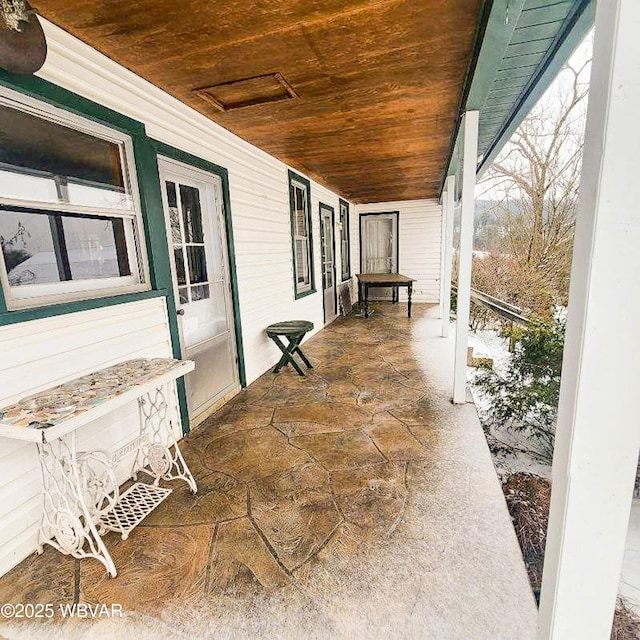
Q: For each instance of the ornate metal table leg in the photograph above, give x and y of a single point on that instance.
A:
(409, 292)
(158, 454)
(77, 489)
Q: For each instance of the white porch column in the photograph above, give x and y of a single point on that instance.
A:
(447, 251)
(598, 432)
(469, 162)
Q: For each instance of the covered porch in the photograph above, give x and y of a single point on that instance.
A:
(359, 501)
(355, 502)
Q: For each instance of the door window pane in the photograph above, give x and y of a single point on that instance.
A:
(199, 292)
(191, 214)
(180, 270)
(44, 161)
(174, 214)
(197, 264)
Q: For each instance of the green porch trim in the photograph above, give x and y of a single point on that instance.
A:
(489, 28)
(64, 99)
(182, 156)
(292, 175)
(150, 204)
(158, 247)
(558, 29)
(344, 278)
(577, 27)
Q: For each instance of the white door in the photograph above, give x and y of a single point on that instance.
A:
(379, 248)
(197, 241)
(327, 246)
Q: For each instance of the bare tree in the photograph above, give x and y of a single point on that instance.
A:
(535, 184)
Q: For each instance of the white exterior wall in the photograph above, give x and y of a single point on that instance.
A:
(258, 187)
(42, 353)
(420, 229)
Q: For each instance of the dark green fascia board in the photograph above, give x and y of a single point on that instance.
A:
(182, 156)
(342, 201)
(494, 42)
(497, 36)
(292, 175)
(150, 202)
(491, 28)
(577, 26)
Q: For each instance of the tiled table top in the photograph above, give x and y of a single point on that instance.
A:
(53, 406)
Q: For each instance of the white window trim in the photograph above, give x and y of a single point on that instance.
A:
(17, 298)
(302, 288)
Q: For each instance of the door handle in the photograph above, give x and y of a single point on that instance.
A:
(179, 312)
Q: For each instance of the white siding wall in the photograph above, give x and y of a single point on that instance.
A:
(258, 186)
(42, 353)
(420, 230)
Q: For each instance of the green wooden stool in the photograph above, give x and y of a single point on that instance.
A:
(294, 331)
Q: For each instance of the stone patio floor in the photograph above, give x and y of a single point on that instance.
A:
(357, 502)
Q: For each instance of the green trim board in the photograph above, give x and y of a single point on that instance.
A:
(150, 203)
(292, 175)
(483, 31)
(524, 46)
(331, 210)
(182, 156)
(347, 228)
(577, 25)
(51, 311)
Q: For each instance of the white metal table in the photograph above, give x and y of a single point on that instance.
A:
(81, 496)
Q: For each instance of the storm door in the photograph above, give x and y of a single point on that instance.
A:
(379, 248)
(327, 246)
(197, 240)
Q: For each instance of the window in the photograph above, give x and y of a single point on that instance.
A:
(345, 250)
(300, 199)
(70, 225)
(187, 237)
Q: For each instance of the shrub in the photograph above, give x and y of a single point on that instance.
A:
(524, 397)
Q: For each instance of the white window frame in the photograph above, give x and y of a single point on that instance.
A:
(32, 296)
(309, 286)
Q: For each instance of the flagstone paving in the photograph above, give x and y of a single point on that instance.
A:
(355, 502)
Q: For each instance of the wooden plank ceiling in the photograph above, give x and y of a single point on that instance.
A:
(378, 82)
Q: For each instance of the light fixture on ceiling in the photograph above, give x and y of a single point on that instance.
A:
(15, 13)
(23, 47)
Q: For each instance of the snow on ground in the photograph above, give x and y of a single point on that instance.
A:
(512, 452)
